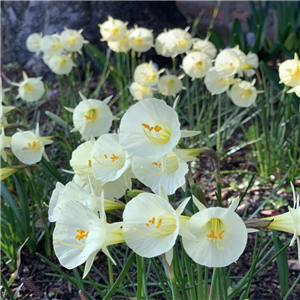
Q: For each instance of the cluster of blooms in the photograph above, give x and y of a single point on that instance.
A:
(289, 73)
(146, 148)
(57, 49)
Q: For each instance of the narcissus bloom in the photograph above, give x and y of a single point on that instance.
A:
(51, 45)
(151, 225)
(71, 40)
(178, 41)
(149, 128)
(61, 64)
(227, 63)
(146, 75)
(5, 143)
(92, 117)
(215, 83)
(295, 90)
(289, 222)
(221, 235)
(168, 171)
(196, 64)
(205, 46)
(243, 93)
(121, 45)
(30, 89)
(113, 30)
(161, 45)
(29, 147)
(109, 160)
(79, 234)
(169, 85)
(140, 39)
(289, 72)
(33, 42)
(139, 92)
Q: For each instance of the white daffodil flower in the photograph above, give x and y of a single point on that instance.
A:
(215, 83)
(51, 45)
(169, 85)
(29, 147)
(92, 117)
(205, 46)
(151, 225)
(289, 72)
(289, 221)
(178, 41)
(196, 64)
(61, 64)
(243, 93)
(80, 234)
(161, 45)
(168, 171)
(227, 63)
(5, 143)
(146, 75)
(121, 45)
(221, 235)
(139, 92)
(249, 63)
(149, 128)
(140, 39)
(109, 160)
(295, 90)
(72, 40)
(33, 42)
(113, 30)
(30, 89)
(74, 192)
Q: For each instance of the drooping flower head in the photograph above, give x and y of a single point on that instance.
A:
(33, 42)
(221, 235)
(113, 30)
(140, 39)
(169, 85)
(205, 46)
(71, 40)
(149, 128)
(51, 45)
(227, 63)
(178, 41)
(161, 46)
(289, 72)
(146, 75)
(121, 45)
(196, 64)
(29, 147)
(139, 92)
(61, 64)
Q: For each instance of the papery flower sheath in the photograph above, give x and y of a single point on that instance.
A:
(221, 235)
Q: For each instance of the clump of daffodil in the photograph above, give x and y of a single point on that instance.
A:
(170, 85)
(113, 30)
(243, 93)
(29, 147)
(140, 39)
(33, 42)
(151, 225)
(139, 92)
(92, 117)
(30, 89)
(221, 235)
(150, 128)
(80, 234)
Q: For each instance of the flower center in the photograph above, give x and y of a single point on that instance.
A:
(182, 43)
(113, 157)
(32, 146)
(28, 87)
(246, 94)
(149, 77)
(55, 46)
(156, 134)
(91, 114)
(216, 231)
(115, 31)
(72, 41)
(81, 234)
(170, 84)
(62, 62)
(139, 41)
(198, 65)
(295, 72)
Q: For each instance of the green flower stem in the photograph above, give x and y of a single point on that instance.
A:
(189, 270)
(200, 281)
(110, 271)
(140, 272)
(170, 271)
(189, 102)
(219, 124)
(214, 283)
(206, 282)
